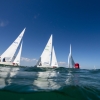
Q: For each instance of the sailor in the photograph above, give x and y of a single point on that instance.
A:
(13, 64)
(4, 59)
(40, 64)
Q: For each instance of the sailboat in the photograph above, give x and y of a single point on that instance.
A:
(94, 68)
(9, 54)
(48, 57)
(71, 62)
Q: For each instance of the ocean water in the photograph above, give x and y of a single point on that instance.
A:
(29, 83)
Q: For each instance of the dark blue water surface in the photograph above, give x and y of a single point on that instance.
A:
(29, 83)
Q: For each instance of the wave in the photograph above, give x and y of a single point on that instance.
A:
(64, 93)
(59, 83)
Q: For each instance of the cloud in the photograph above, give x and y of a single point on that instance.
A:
(31, 62)
(3, 23)
(28, 60)
(62, 64)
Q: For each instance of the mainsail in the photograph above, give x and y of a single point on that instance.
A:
(45, 57)
(18, 57)
(54, 59)
(9, 53)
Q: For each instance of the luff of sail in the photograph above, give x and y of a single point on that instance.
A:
(18, 57)
(71, 62)
(54, 59)
(9, 53)
(46, 54)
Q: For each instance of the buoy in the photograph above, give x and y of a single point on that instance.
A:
(77, 65)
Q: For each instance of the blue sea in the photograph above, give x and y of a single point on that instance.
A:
(29, 83)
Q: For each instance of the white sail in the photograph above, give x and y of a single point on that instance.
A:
(46, 54)
(9, 53)
(94, 67)
(18, 57)
(71, 62)
(54, 59)
(68, 61)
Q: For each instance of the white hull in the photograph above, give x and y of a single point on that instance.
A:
(8, 63)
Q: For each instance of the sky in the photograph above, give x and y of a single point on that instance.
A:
(75, 22)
